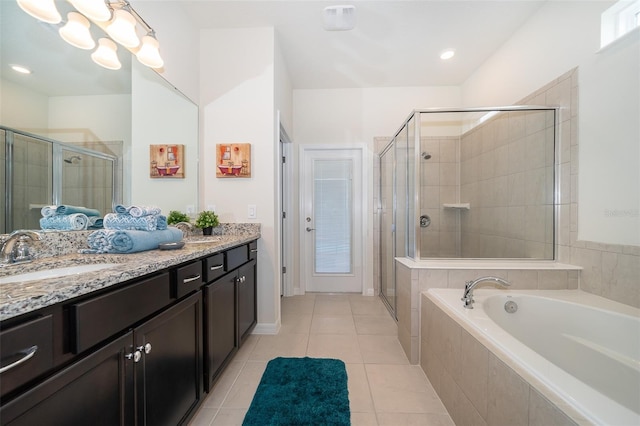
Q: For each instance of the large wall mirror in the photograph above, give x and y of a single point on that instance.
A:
(81, 134)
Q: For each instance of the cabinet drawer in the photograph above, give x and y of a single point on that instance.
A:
(96, 319)
(187, 279)
(237, 256)
(253, 250)
(214, 267)
(26, 352)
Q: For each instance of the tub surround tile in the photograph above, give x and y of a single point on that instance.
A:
(473, 372)
(508, 399)
(544, 413)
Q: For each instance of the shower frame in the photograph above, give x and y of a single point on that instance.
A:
(57, 159)
(412, 242)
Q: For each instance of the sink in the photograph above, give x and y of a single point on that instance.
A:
(55, 273)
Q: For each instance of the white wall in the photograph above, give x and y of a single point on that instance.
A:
(160, 116)
(22, 108)
(237, 105)
(356, 116)
(179, 43)
(561, 36)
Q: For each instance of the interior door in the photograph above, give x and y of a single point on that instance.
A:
(332, 220)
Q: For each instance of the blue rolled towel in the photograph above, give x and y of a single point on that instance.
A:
(61, 222)
(130, 241)
(125, 221)
(67, 209)
(137, 211)
(95, 222)
(48, 210)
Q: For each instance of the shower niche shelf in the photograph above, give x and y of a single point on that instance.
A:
(457, 206)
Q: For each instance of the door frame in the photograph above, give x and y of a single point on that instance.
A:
(285, 207)
(363, 192)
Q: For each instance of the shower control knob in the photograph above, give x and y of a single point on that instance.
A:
(425, 221)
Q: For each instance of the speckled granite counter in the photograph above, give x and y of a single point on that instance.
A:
(23, 297)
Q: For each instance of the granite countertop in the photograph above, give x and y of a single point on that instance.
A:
(23, 297)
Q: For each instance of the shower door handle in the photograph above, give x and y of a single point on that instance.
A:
(310, 229)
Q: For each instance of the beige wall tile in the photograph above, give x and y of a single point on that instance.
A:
(543, 413)
(473, 368)
(508, 399)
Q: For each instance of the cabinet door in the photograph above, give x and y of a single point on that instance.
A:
(97, 390)
(246, 299)
(169, 376)
(219, 325)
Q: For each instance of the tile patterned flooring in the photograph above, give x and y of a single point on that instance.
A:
(384, 389)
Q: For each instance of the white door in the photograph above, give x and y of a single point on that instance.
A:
(332, 219)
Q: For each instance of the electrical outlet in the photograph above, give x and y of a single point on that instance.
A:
(211, 207)
(191, 209)
(251, 211)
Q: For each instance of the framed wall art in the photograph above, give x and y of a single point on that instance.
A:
(166, 161)
(233, 160)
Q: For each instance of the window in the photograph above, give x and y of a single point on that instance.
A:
(618, 20)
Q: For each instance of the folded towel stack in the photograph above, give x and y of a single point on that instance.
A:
(130, 241)
(69, 218)
(140, 218)
(132, 229)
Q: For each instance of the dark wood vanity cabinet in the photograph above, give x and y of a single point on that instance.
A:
(149, 376)
(142, 353)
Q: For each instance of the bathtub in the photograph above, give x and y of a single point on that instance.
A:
(583, 348)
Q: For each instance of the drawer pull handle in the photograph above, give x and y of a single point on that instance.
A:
(26, 355)
(216, 267)
(191, 279)
(254, 250)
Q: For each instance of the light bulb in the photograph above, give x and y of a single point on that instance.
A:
(123, 28)
(105, 55)
(447, 54)
(44, 10)
(149, 54)
(96, 10)
(76, 31)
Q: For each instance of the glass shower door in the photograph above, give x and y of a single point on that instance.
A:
(386, 247)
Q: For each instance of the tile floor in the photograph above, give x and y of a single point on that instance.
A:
(384, 389)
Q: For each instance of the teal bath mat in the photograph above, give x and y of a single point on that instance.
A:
(301, 391)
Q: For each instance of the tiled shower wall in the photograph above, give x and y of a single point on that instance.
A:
(506, 175)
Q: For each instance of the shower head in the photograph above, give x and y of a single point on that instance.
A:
(426, 155)
(73, 159)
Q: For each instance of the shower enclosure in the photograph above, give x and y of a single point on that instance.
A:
(467, 183)
(36, 171)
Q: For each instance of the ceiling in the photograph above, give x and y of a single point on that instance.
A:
(395, 43)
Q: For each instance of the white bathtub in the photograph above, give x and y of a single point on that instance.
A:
(584, 348)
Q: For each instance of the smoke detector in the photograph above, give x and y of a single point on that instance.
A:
(339, 18)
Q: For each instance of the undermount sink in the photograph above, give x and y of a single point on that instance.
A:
(55, 273)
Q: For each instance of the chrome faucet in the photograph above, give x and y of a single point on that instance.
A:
(467, 297)
(15, 248)
(187, 228)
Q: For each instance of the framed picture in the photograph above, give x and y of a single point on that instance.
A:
(166, 161)
(233, 160)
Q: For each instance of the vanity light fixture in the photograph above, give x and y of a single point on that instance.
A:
(96, 10)
(105, 55)
(149, 54)
(76, 31)
(121, 22)
(447, 54)
(123, 28)
(44, 10)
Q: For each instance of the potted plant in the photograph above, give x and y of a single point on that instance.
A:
(176, 217)
(207, 220)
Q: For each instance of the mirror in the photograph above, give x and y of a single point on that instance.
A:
(68, 98)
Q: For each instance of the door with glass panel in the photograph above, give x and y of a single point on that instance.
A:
(332, 200)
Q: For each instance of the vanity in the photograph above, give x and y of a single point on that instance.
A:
(137, 342)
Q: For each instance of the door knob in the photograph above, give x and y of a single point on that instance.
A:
(310, 229)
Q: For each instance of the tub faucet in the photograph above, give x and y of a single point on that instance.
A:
(467, 297)
(10, 252)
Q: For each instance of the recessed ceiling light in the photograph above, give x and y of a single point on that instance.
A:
(447, 54)
(21, 69)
